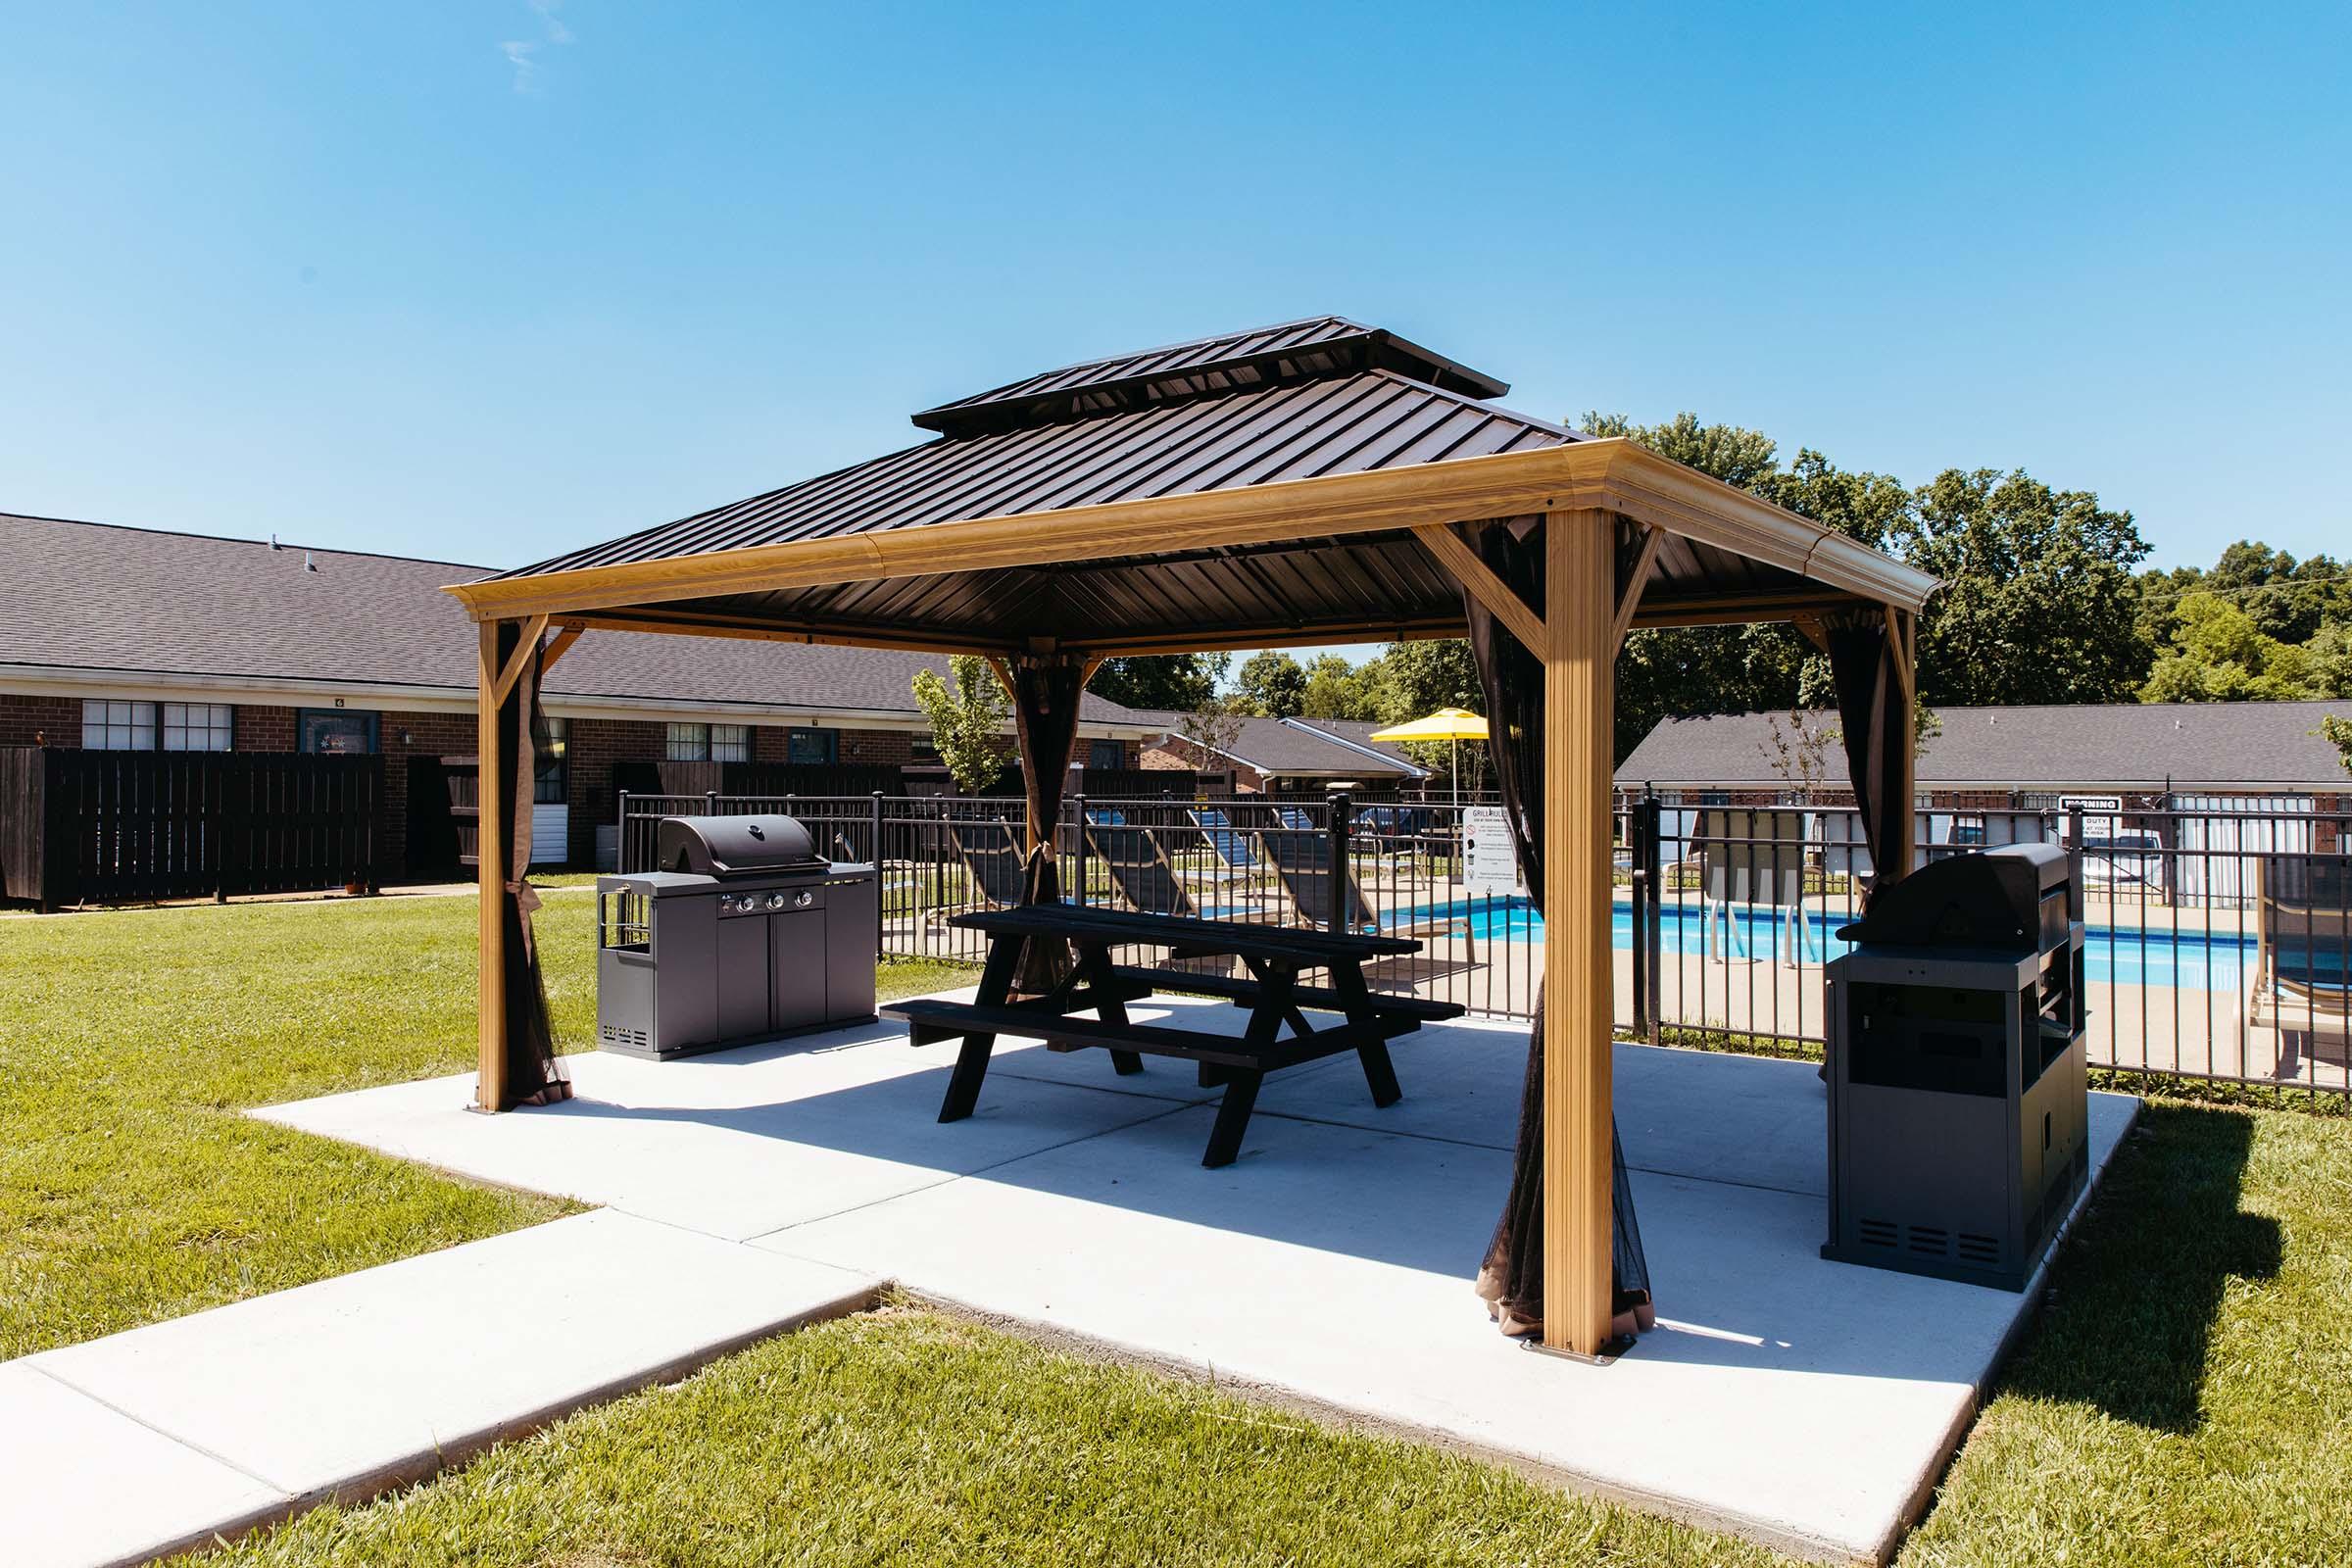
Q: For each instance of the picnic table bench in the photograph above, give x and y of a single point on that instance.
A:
(1272, 992)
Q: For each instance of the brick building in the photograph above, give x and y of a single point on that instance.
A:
(140, 639)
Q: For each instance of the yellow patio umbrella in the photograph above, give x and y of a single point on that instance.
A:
(1445, 724)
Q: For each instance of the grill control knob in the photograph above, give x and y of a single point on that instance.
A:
(804, 901)
(775, 901)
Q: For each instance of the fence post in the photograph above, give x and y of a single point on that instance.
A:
(875, 822)
(1649, 926)
(1342, 910)
(621, 857)
(709, 802)
(2073, 850)
(1078, 805)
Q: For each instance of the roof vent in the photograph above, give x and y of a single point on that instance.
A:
(308, 564)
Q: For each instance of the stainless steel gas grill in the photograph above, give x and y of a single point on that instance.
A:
(745, 933)
(1958, 1107)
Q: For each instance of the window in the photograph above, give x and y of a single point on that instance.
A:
(812, 747)
(1106, 754)
(551, 776)
(109, 725)
(334, 732)
(922, 748)
(709, 743)
(197, 726)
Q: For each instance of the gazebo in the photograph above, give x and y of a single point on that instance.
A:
(1316, 483)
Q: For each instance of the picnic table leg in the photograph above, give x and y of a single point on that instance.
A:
(1292, 1013)
(1241, 1083)
(1233, 1115)
(972, 1061)
(1094, 963)
(1357, 998)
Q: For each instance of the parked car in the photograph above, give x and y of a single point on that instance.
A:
(2127, 857)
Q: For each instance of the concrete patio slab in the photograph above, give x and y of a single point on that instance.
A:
(744, 1141)
(359, 1383)
(63, 1459)
(1804, 1403)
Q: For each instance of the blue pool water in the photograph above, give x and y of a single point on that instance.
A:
(2118, 955)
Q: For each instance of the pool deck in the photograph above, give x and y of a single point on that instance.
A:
(1806, 1404)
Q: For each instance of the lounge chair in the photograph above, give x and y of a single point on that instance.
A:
(2301, 979)
(994, 857)
(1138, 868)
(1302, 860)
(1233, 849)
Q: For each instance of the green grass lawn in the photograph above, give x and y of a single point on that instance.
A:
(130, 1187)
(2186, 1399)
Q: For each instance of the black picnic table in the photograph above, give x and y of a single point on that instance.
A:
(1272, 991)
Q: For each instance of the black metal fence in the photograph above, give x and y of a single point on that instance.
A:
(110, 827)
(2217, 946)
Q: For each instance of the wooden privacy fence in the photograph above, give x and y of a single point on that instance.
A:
(107, 827)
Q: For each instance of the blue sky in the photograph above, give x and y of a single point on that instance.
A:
(486, 281)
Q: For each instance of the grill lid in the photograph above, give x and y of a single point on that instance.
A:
(726, 847)
(2018, 896)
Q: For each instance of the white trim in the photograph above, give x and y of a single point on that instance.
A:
(1413, 770)
(55, 680)
(1165, 738)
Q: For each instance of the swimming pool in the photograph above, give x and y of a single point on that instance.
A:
(2113, 955)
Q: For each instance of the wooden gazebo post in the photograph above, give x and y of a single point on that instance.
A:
(490, 872)
(1580, 604)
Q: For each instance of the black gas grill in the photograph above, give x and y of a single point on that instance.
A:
(1958, 1108)
(746, 932)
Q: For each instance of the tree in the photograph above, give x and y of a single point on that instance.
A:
(1413, 678)
(2219, 654)
(1162, 682)
(1273, 684)
(1215, 727)
(967, 712)
(1336, 689)
(2338, 733)
(2038, 603)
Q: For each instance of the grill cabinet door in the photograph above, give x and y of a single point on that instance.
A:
(797, 964)
(742, 976)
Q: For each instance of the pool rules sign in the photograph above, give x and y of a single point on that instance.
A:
(1490, 868)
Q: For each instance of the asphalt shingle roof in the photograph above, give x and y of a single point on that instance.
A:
(2127, 746)
(98, 597)
(1294, 746)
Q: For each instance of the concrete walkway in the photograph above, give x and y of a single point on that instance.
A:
(1806, 1404)
(157, 1440)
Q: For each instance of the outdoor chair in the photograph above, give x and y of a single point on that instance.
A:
(993, 858)
(1302, 860)
(1235, 852)
(2300, 983)
(1138, 868)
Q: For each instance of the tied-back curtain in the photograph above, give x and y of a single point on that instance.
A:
(1872, 712)
(1511, 678)
(1044, 715)
(534, 1077)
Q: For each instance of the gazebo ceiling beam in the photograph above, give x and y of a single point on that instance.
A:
(780, 631)
(1612, 475)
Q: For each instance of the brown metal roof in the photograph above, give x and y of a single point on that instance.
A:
(1233, 442)
(1234, 362)
(1346, 424)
